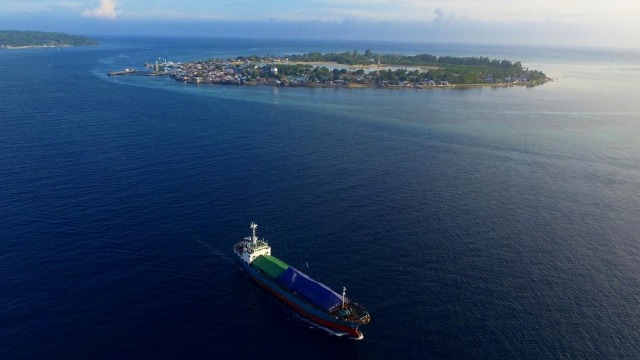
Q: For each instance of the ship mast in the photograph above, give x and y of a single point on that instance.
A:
(254, 238)
(344, 292)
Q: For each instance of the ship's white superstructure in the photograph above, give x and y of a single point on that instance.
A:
(254, 247)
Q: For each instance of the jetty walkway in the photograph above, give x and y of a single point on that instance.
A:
(130, 72)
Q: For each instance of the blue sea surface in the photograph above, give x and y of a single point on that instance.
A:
(485, 223)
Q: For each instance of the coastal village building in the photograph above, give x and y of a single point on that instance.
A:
(258, 71)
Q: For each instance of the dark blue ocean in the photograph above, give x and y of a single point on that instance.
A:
(472, 224)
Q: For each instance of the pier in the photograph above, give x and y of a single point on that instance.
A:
(130, 72)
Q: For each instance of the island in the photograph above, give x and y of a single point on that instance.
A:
(348, 69)
(14, 39)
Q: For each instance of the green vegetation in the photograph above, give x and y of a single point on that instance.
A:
(316, 69)
(455, 70)
(14, 38)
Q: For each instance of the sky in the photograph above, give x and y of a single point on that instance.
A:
(599, 23)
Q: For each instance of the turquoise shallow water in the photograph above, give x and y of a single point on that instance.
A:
(476, 223)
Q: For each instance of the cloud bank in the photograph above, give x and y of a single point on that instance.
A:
(431, 21)
(106, 10)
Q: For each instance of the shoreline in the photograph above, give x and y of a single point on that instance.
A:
(287, 72)
(9, 47)
(370, 86)
(235, 82)
(18, 39)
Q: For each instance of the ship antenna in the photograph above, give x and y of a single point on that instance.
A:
(344, 292)
(253, 232)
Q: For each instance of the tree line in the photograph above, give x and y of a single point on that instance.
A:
(38, 38)
(456, 70)
(368, 58)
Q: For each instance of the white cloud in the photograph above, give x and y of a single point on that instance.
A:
(106, 10)
(572, 22)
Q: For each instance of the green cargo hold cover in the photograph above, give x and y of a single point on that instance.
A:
(270, 265)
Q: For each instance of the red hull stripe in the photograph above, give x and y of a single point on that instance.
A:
(300, 310)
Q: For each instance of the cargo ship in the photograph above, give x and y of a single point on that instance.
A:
(306, 296)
